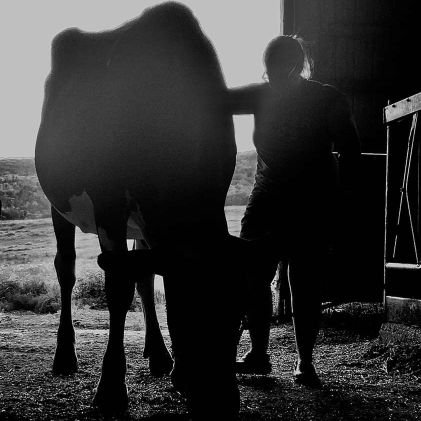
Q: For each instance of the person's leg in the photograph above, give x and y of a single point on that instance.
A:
(258, 309)
(257, 227)
(305, 273)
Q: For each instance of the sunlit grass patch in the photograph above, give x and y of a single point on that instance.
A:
(89, 292)
(33, 295)
(34, 287)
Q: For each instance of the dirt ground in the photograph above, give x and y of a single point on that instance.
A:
(358, 380)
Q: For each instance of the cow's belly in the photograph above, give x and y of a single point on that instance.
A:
(81, 214)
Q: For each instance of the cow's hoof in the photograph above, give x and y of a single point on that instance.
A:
(161, 363)
(160, 360)
(65, 361)
(201, 403)
(160, 368)
(180, 381)
(305, 375)
(253, 364)
(111, 399)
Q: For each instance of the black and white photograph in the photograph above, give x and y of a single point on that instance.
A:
(210, 210)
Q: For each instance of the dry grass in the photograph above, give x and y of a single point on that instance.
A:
(27, 250)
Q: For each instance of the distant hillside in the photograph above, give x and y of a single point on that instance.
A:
(21, 195)
(17, 166)
(243, 179)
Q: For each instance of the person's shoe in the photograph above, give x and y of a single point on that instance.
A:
(253, 364)
(305, 374)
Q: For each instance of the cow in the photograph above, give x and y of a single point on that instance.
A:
(136, 142)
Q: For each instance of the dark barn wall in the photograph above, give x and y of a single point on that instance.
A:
(368, 49)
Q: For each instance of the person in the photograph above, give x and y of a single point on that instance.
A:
(298, 123)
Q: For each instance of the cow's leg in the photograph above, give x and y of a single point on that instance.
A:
(65, 359)
(285, 312)
(160, 361)
(111, 394)
(203, 322)
(140, 264)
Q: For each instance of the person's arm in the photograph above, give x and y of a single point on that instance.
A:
(242, 100)
(344, 132)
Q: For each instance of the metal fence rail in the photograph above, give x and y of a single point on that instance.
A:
(402, 250)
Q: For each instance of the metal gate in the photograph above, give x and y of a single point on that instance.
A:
(402, 260)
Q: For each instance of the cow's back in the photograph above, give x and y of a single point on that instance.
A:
(136, 118)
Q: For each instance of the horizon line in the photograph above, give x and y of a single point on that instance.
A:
(33, 157)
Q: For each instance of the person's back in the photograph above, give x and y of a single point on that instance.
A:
(292, 137)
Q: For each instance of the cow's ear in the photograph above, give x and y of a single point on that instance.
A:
(64, 48)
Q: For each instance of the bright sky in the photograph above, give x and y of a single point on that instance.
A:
(239, 30)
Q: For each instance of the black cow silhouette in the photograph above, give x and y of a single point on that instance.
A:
(136, 141)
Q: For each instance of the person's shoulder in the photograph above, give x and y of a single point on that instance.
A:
(326, 91)
(321, 87)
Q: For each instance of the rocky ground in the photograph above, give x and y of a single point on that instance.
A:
(363, 379)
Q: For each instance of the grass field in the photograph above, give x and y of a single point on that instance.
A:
(27, 248)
